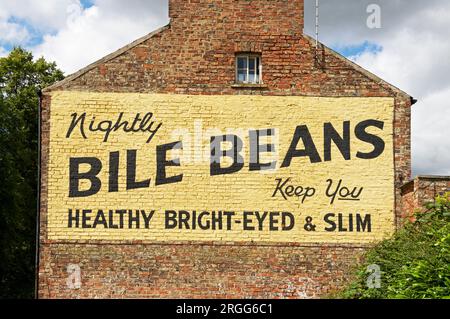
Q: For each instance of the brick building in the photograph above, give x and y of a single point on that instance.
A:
(423, 190)
(226, 49)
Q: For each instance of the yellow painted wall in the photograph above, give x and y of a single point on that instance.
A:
(239, 192)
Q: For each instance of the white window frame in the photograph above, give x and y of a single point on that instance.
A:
(249, 56)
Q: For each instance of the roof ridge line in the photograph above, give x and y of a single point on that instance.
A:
(360, 69)
(106, 58)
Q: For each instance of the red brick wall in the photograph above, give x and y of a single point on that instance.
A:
(421, 191)
(409, 200)
(195, 54)
(250, 16)
(196, 270)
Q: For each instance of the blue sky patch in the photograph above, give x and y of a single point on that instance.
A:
(35, 36)
(358, 49)
(87, 3)
(6, 46)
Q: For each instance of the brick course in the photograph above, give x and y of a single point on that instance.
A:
(195, 54)
(421, 191)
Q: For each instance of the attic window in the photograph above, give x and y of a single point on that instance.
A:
(248, 69)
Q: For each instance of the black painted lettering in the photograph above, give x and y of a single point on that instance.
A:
(287, 221)
(247, 221)
(260, 219)
(256, 149)
(86, 218)
(100, 220)
(364, 225)
(376, 141)
(342, 142)
(171, 219)
(131, 172)
(183, 219)
(310, 150)
(273, 223)
(75, 176)
(114, 172)
(73, 218)
(147, 218)
(329, 220)
(162, 163)
(133, 219)
(280, 186)
(217, 153)
(77, 120)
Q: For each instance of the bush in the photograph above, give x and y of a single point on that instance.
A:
(414, 264)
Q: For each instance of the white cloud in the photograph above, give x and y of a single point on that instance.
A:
(43, 15)
(24, 21)
(431, 134)
(13, 33)
(69, 31)
(415, 57)
(108, 25)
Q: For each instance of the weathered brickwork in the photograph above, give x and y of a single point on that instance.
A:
(195, 55)
(197, 270)
(421, 191)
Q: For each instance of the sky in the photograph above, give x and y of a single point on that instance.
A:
(408, 45)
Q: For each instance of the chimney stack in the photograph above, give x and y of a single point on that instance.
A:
(261, 16)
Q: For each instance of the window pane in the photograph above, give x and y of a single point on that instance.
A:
(252, 64)
(242, 75)
(252, 78)
(248, 69)
(242, 62)
(252, 71)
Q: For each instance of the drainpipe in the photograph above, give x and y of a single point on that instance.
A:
(38, 214)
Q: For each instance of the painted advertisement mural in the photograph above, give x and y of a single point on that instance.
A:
(175, 168)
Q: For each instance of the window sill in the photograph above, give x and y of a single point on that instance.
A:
(249, 86)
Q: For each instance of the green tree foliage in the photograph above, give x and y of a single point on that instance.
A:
(415, 263)
(20, 79)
